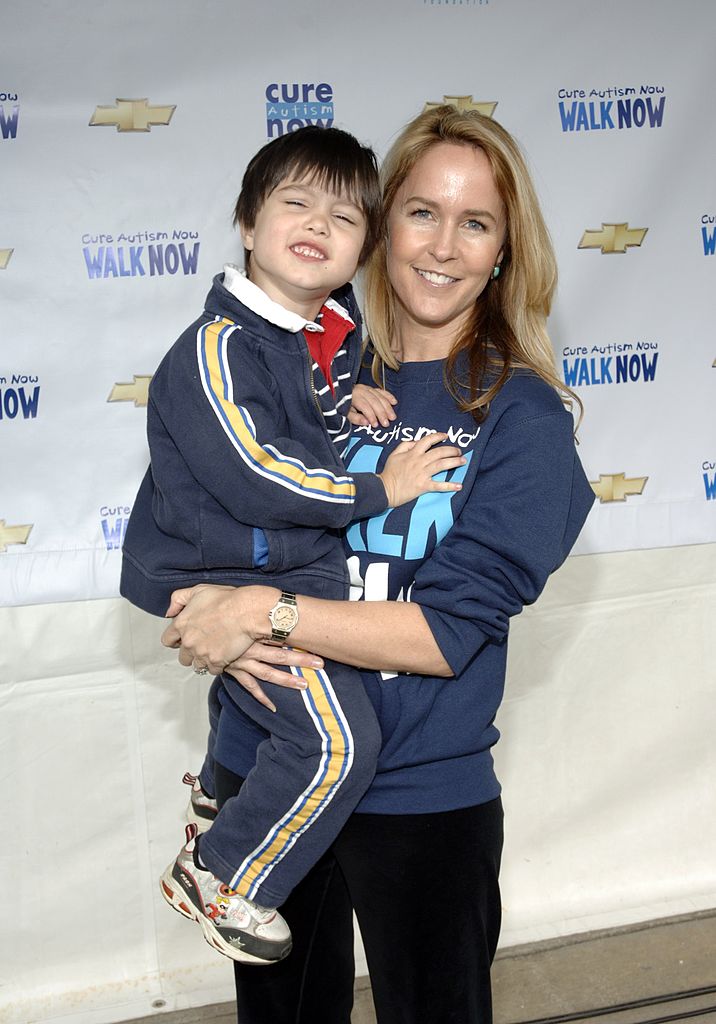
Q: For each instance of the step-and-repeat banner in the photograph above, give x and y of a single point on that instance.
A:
(124, 131)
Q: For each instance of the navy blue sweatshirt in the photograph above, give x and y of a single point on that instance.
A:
(472, 560)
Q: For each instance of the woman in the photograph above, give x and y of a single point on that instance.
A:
(457, 297)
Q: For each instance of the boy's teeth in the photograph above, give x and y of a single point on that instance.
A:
(305, 250)
(436, 278)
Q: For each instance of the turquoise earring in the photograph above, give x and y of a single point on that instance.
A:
(495, 271)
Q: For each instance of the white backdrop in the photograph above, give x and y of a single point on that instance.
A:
(108, 241)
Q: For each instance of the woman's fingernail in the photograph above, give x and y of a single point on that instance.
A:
(316, 663)
(272, 708)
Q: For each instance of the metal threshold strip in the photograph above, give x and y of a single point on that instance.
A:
(639, 1004)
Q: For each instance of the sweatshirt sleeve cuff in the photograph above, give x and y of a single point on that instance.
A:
(371, 498)
(458, 639)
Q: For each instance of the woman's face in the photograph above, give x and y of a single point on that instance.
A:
(446, 231)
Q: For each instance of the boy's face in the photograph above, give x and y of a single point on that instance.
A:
(305, 243)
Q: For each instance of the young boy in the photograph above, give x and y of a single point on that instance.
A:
(246, 422)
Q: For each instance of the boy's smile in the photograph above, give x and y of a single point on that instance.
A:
(309, 251)
(305, 243)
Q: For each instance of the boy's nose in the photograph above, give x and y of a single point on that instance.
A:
(318, 222)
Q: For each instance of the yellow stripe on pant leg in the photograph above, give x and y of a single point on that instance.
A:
(316, 796)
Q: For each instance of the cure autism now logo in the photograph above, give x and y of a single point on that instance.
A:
(613, 108)
(295, 105)
(457, 3)
(114, 520)
(9, 115)
(142, 254)
(19, 396)
(615, 363)
(708, 233)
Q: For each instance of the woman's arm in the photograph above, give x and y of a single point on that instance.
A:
(214, 626)
(514, 530)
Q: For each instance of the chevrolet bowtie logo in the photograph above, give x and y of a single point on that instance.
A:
(132, 115)
(137, 391)
(464, 103)
(5, 255)
(612, 238)
(617, 486)
(13, 534)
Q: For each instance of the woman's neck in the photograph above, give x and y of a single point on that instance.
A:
(421, 343)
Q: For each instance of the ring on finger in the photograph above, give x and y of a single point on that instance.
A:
(201, 670)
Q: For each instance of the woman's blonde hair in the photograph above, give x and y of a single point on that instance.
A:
(508, 326)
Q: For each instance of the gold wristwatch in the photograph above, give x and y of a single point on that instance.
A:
(283, 618)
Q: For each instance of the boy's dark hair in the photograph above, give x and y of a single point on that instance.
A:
(330, 157)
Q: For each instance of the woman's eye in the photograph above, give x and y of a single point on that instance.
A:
(475, 225)
(420, 213)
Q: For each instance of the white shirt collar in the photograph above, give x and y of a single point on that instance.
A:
(236, 282)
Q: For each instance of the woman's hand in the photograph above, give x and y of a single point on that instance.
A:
(371, 406)
(258, 664)
(211, 625)
(411, 468)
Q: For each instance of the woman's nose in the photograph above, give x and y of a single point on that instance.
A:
(444, 243)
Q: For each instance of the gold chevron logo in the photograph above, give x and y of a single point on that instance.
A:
(5, 255)
(132, 116)
(463, 103)
(613, 238)
(617, 487)
(13, 534)
(137, 391)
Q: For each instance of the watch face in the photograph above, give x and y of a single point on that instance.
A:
(284, 617)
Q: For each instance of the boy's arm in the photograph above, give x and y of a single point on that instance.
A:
(223, 423)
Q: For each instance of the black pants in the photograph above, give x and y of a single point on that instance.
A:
(425, 891)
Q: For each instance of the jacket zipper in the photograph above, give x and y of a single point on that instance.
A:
(311, 384)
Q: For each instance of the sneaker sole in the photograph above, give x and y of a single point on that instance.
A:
(177, 900)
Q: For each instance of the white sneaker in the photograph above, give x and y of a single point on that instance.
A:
(237, 927)
(202, 808)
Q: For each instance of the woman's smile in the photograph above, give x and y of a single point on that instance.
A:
(434, 278)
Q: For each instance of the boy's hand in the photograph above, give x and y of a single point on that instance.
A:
(411, 467)
(371, 406)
